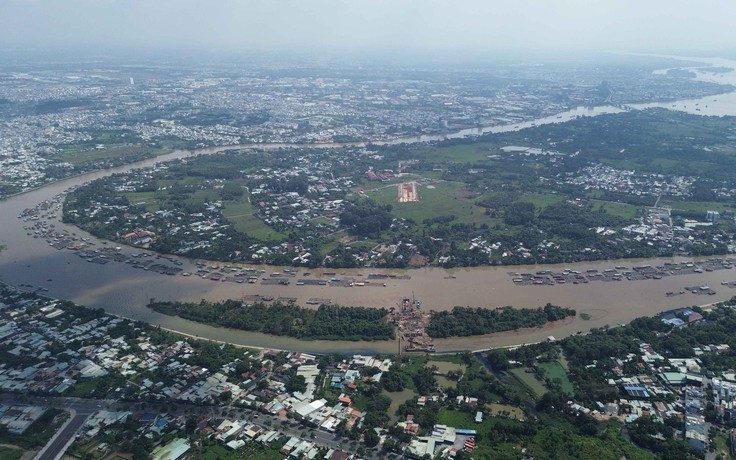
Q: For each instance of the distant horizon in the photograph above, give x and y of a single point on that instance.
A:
(374, 28)
(283, 56)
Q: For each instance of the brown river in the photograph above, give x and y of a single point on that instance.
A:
(123, 290)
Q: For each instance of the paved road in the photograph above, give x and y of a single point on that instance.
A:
(80, 409)
(63, 438)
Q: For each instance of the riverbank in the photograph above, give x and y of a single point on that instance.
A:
(314, 287)
(123, 289)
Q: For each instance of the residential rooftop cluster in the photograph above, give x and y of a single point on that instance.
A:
(664, 387)
(658, 227)
(16, 419)
(234, 433)
(61, 349)
(84, 352)
(48, 114)
(603, 177)
(32, 327)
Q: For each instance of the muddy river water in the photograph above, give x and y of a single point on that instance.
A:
(123, 290)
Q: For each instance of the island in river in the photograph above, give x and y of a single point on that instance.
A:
(122, 289)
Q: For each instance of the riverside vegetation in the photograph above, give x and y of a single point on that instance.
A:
(328, 322)
(334, 322)
(466, 321)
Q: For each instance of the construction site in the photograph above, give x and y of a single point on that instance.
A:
(412, 323)
(408, 192)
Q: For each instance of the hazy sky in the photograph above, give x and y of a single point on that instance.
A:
(390, 25)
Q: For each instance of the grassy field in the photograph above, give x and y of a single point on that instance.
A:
(415, 364)
(497, 409)
(456, 359)
(457, 419)
(147, 199)
(542, 200)
(444, 382)
(183, 182)
(444, 366)
(331, 246)
(364, 245)
(664, 163)
(250, 451)
(242, 214)
(530, 380)
(553, 371)
(627, 211)
(697, 206)
(200, 196)
(320, 220)
(466, 420)
(434, 175)
(84, 387)
(564, 362)
(435, 199)
(9, 453)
